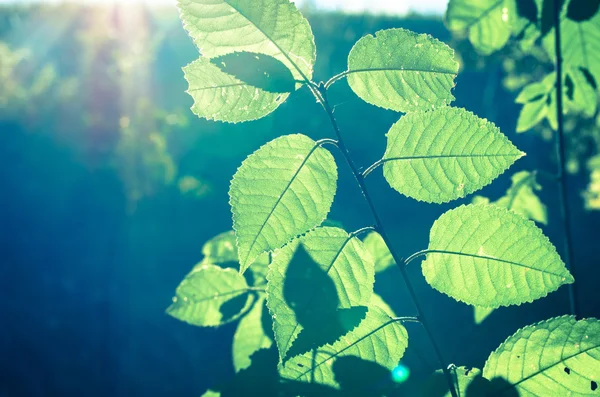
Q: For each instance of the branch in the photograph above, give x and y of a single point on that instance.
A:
(560, 156)
(321, 95)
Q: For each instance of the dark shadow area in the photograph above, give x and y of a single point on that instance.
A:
(257, 70)
(312, 295)
(361, 378)
(528, 10)
(582, 10)
(232, 307)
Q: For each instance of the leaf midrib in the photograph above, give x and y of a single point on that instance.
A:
(218, 295)
(391, 321)
(435, 251)
(484, 14)
(441, 156)
(287, 187)
(399, 69)
(306, 80)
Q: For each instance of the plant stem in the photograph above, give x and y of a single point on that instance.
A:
(560, 156)
(322, 98)
(371, 168)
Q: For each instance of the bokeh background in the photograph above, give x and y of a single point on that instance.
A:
(110, 185)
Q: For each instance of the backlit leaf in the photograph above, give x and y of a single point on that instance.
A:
(485, 255)
(489, 22)
(379, 250)
(580, 43)
(556, 357)
(480, 313)
(270, 27)
(314, 283)
(222, 97)
(378, 339)
(254, 332)
(445, 154)
(210, 296)
(280, 191)
(403, 71)
(522, 199)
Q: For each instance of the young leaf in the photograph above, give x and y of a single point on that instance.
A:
(584, 97)
(556, 357)
(378, 339)
(445, 154)
(480, 313)
(468, 382)
(258, 70)
(580, 44)
(280, 191)
(310, 280)
(381, 254)
(221, 249)
(521, 198)
(403, 71)
(488, 256)
(222, 97)
(489, 22)
(270, 27)
(254, 332)
(532, 114)
(210, 296)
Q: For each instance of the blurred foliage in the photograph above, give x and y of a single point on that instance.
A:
(111, 123)
(527, 66)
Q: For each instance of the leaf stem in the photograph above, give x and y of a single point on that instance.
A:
(372, 167)
(321, 96)
(560, 156)
(407, 319)
(415, 256)
(335, 78)
(363, 230)
(325, 141)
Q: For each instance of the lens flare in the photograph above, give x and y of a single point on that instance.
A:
(400, 374)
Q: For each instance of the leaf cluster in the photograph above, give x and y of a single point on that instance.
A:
(310, 323)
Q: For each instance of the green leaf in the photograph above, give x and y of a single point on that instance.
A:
(468, 382)
(488, 256)
(210, 296)
(381, 254)
(445, 154)
(270, 27)
(480, 313)
(280, 191)
(258, 70)
(315, 282)
(521, 197)
(221, 249)
(489, 22)
(580, 44)
(253, 333)
(532, 114)
(222, 97)
(211, 393)
(403, 71)
(584, 97)
(556, 357)
(378, 339)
